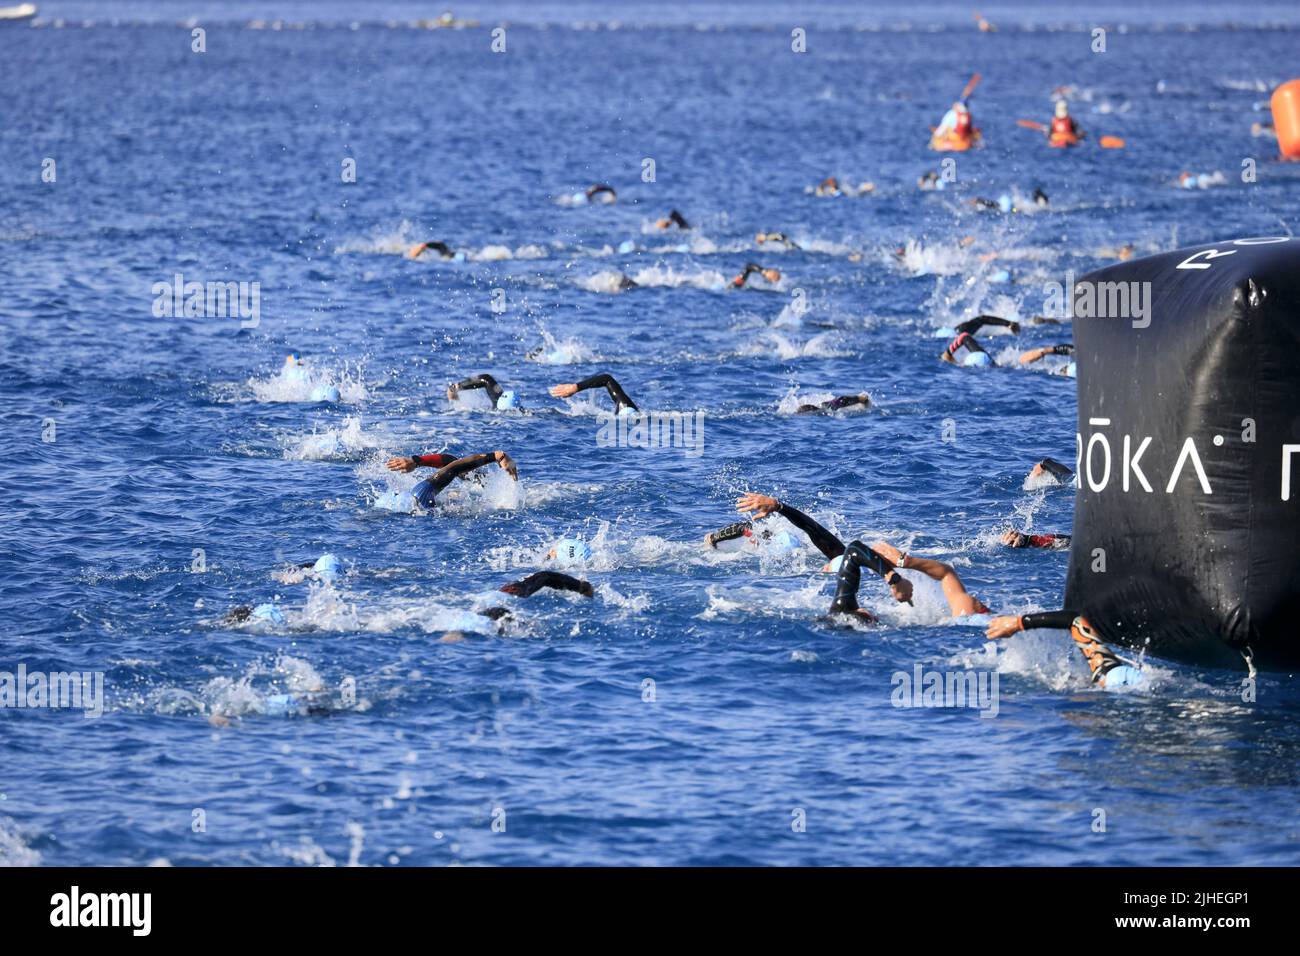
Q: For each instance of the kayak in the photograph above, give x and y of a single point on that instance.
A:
(1062, 139)
(952, 142)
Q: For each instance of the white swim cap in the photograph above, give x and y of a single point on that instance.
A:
(836, 563)
(626, 246)
(458, 257)
(1001, 275)
(1004, 202)
(507, 400)
(979, 359)
(572, 551)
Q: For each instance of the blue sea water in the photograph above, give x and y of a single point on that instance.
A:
(159, 471)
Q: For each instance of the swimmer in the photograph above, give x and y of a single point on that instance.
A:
(776, 237)
(1018, 539)
(501, 398)
(830, 186)
(625, 281)
(674, 218)
(1040, 197)
(443, 250)
(1107, 669)
(427, 491)
(547, 579)
(884, 559)
(1050, 466)
(836, 404)
(965, 339)
(771, 275)
(604, 380)
(603, 190)
(761, 506)
(929, 181)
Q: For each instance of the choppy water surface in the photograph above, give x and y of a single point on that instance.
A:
(177, 435)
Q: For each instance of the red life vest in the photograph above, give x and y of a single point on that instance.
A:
(1063, 127)
(963, 125)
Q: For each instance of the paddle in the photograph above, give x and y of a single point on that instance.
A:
(970, 87)
(1106, 142)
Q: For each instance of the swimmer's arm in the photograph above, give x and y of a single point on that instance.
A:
(729, 533)
(1005, 625)
(412, 462)
(479, 381)
(610, 384)
(547, 579)
(1055, 468)
(463, 466)
(822, 540)
(974, 325)
(1034, 355)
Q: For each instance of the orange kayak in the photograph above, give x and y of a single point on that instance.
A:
(1061, 140)
(953, 142)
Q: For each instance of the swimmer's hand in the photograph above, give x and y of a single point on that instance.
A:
(759, 505)
(772, 275)
(507, 464)
(452, 392)
(1004, 625)
(399, 463)
(1014, 328)
(564, 391)
(1013, 538)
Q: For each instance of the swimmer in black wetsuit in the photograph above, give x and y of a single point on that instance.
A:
(605, 380)
(1040, 197)
(547, 579)
(966, 337)
(776, 237)
(836, 404)
(674, 218)
(771, 275)
(443, 250)
(483, 381)
(1108, 670)
(603, 190)
(885, 559)
(761, 506)
(625, 281)
(1050, 466)
(448, 471)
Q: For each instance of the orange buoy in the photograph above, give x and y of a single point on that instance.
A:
(1286, 118)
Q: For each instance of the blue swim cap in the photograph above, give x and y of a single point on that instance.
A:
(946, 332)
(836, 563)
(458, 257)
(783, 541)
(626, 246)
(579, 197)
(572, 551)
(507, 400)
(978, 359)
(1004, 203)
(1070, 370)
(325, 393)
(268, 612)
(1001, 275)
(326, 567)
(277, 705)
(940, 184)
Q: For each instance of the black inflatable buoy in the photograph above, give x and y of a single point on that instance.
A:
(1187, 519)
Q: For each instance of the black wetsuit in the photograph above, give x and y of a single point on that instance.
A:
(749, 270)
(593, 191)
(625, 281)
(834, 405)
(856, 556)
(971, 326)
(616, 393)
(1040, 197)
(1057, 470)
(483, 381)
(678, 220)
(782, 238)
(822, 540)
(548, 579)
(426, 491)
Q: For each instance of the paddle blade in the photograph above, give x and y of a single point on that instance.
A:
(970, 86)
(1111, 142)
(1031, 124)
